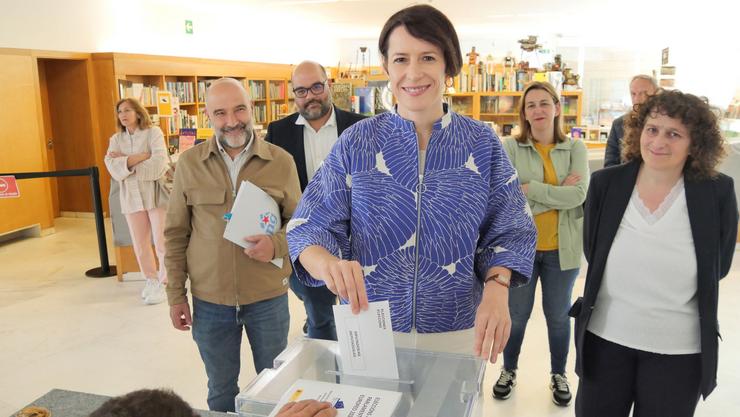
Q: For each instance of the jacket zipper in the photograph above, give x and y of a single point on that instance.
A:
(224, 170)
(420, 188)
(419, 191)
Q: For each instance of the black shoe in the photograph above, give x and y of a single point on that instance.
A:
(504, 385)
(560, 389)
(305, 328)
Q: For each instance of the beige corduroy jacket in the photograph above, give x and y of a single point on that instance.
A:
(218, 269)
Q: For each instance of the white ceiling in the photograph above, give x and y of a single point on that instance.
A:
(590, 21)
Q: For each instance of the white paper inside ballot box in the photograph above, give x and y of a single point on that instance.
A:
(365, 341)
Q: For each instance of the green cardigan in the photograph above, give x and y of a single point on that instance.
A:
(567, 157)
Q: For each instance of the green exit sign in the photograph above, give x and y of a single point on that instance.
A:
(189, 27)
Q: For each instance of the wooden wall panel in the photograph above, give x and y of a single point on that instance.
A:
(71, 119)
(48, 134)
(134, 64)
(21, 137)
(105, 91)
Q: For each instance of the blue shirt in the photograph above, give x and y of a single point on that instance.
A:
(425, 241)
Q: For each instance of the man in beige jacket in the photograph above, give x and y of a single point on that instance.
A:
(232, 288)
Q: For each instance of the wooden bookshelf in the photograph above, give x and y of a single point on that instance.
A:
(502, 107)
(270, 99)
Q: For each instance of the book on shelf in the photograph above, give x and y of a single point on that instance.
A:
(146, 94)
(257, 90)
(277, 90)
(186, 139)
(577, 132)
(203, 86)
(507, 129)
(181, 119)
(489, 104)
(202, 118)
(260, 113)
(341, 94)
(183, 90)
(481, 78)
(366, 97)
(165, 104)
(278, 110)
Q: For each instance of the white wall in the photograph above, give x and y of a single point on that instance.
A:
(606, 44)
(236, 30)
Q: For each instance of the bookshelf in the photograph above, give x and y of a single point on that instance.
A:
(491, 92)
(502, 107)
(272, 100)
(187, 78)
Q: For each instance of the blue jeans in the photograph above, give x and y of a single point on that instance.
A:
(217, 330)
(557, 287)
(318, 302)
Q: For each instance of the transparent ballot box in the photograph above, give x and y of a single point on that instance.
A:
(433, 384)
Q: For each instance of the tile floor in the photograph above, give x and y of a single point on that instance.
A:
(59, 329)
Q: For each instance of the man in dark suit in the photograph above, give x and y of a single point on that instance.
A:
(641, 87)
(309, 135)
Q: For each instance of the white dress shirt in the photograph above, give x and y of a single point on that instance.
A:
(317, 144)
(233, 166)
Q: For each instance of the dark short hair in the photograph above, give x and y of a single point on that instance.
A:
(146, 403)
(429, 24)
(706, 149)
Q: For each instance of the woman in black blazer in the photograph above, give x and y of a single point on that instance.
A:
(659, 234)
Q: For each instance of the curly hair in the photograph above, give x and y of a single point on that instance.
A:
(706, 149)
(146, 403)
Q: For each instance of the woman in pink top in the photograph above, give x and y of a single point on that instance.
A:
(137, 159)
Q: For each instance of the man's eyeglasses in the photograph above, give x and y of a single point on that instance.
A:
(316, 89)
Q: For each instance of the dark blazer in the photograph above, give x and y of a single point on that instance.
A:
(714, 219)
(289, 136)
(613, 153)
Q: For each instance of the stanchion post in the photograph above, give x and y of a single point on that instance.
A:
(105, 269)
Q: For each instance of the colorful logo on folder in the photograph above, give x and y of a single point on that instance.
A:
(268, 221)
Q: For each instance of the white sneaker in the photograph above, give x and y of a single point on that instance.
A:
(148, 285)
(156, 294)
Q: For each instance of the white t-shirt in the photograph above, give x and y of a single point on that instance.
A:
(648, 296)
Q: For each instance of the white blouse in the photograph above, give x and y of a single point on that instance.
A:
(138, 185)
(648, 297)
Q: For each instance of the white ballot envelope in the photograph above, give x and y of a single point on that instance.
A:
(254, 213)
(365, 340)
(349, 400)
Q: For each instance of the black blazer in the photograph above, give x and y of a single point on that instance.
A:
(714, 219)
(289, 136)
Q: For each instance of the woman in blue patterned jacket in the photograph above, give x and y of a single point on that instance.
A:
(419, 206)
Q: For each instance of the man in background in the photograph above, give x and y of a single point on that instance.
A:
(641, 87)
(309, 135)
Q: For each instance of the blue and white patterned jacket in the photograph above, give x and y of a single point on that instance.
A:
(425, 242)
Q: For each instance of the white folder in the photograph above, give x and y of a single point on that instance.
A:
(254, 213)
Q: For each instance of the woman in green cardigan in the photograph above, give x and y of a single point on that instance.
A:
(553, 171)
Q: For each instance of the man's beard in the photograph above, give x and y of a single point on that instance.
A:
(231, 142)
(313, 114)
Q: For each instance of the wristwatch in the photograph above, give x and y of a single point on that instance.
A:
(500, 279)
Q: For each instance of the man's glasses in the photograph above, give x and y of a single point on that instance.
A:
(316, 89)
